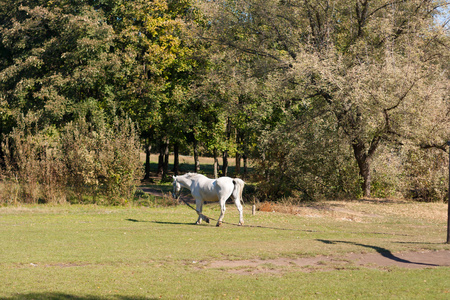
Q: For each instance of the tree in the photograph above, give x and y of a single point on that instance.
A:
(156, 61)
(369, 64)
(386, 84)
(55, 61)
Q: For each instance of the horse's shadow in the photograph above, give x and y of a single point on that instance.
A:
(159, 222)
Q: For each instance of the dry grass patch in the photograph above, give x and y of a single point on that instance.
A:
(360, 210)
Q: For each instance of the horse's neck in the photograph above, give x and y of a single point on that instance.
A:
(185, 182)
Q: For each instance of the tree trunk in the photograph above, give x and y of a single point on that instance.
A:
(265, 166)
(244, 157)
(363, 161)
(225, 153)
(166, 159)
(148, 149)
(176, 159)
(216, 164)
(196, 160)
(225, 163)
(237, 169)
(161, 159)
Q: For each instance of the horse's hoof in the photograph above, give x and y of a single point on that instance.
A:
(218, 224)
(207, 220)
(241, 223)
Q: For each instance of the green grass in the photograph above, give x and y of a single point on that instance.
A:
(92, 252)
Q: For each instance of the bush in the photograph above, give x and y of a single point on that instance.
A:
(388, 173)
(101, 160)
(82, 162)
(426, 174)
(411, 172)
(306, 161)
(33, 166)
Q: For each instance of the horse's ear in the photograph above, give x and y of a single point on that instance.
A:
(174, 177)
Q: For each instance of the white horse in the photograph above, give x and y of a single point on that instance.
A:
(204, 189)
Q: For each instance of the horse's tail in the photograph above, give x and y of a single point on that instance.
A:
(238, 189)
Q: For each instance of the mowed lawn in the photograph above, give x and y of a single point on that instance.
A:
(95, 252)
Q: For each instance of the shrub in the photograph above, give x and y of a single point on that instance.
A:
(99, 162)
(426, 174)
(388, 173)
(411, 172)
(306, 161)
(33, 165)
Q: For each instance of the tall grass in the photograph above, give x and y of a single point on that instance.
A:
(79, 163)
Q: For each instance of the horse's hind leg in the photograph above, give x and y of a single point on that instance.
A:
(222, 211)
(237, 201)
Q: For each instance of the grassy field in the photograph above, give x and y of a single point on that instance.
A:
(92, 252)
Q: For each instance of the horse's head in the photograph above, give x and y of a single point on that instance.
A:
(176, 188)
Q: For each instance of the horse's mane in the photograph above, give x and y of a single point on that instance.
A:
(191, 175)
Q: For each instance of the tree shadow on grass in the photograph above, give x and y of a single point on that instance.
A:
(419, 243)
(63, 296)
(382, 251)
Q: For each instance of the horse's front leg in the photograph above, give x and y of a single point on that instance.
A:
(199, 208)
(199, 205)
(222, 211)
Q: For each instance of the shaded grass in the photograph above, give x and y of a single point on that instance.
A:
(186, 164)
(92, 252)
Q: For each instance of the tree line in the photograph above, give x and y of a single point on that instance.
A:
(328, 99)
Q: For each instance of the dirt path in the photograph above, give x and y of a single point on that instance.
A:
(411, 260)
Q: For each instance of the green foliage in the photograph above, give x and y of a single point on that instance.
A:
(426, 175)
(94, 61)
(33, 166)
(322, 96)
(56, 58)
(302, 159)
(367, 66)
(102, 160)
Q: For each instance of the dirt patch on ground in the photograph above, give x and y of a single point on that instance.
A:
(412, 260)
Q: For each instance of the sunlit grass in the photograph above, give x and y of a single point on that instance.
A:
(87, 252)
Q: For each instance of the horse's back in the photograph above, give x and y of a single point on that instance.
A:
(224, 182)
(213, 189)
(204, 188)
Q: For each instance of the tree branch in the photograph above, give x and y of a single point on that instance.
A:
(442, 147)
(245, 50)
(403, 96)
